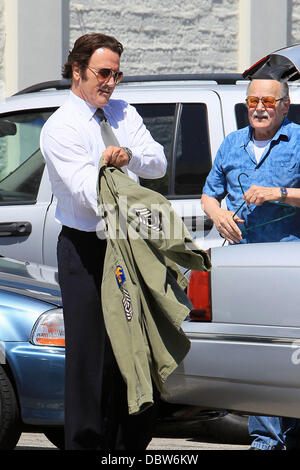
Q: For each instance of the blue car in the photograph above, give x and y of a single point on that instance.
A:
(32, 354)
(32, 361)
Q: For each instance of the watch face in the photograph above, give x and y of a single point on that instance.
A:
(283, 193)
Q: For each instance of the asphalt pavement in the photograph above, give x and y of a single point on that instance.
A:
(32, 441)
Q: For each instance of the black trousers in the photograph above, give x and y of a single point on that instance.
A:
(96, 413)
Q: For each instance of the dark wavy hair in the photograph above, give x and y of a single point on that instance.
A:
(84, 48)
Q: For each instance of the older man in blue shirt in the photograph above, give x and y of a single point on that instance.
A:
(265, 158)
(257, 169)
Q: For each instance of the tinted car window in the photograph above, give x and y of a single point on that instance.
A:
(183, 131)
(159, 120)
(21, 162)
(241, 114)
(193, 155)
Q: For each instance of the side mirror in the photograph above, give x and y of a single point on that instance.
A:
(7, 128)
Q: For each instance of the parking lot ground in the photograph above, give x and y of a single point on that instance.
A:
(190, 444)
(161, 450)
(32, 441)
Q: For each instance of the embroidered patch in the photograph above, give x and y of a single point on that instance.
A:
(149, 219)
(126, 301)
(120, 275)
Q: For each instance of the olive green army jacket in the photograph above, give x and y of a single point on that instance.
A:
(143, 298)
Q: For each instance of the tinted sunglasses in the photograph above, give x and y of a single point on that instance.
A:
(267, 101)
(106, 74)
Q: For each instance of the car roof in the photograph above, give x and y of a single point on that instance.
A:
(53, 94)
(164, 88)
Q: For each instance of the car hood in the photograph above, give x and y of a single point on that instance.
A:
(283, 64)
(30, 279)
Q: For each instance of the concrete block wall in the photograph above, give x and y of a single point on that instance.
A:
(159, 36)
(295, 23)
(164, 36)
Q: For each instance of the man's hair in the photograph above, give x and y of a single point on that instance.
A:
(84, 48)
(284, 89)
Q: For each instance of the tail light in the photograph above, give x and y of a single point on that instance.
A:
(199, 294)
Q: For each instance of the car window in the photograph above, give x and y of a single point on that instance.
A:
(159, 120)
(182, 129)
(193, 154)
(241, 114)
(21, 162)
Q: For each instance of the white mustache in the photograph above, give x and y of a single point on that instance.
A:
(260, 114)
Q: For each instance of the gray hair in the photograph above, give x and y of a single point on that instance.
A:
(284, 90)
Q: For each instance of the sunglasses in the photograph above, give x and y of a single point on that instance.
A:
(106, 74)
(267, 101)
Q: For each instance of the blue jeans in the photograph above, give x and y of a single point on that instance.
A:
(275, 433)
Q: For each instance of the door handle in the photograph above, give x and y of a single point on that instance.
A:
(193, 222)
(15, 229)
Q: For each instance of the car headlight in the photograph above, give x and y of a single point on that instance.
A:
(49, 329)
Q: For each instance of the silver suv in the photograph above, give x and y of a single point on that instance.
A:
(189, 115)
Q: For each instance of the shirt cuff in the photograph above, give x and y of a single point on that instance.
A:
(134, 163)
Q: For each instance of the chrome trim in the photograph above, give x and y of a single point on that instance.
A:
(241, 338)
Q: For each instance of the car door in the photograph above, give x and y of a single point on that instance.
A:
(25, 192)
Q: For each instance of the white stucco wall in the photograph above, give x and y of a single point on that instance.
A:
(34, 41)
(164, 36)
(2, 44)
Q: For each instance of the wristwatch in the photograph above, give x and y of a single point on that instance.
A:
(129, 153)
(283, 192)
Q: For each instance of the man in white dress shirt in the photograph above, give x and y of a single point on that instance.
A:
(95, 395)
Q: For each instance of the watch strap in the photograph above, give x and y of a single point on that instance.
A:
(129, 153)
(283, 192)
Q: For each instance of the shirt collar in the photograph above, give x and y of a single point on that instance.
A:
(283, 131)
(85, 108)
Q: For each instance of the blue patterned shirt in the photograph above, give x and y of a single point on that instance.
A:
(279, 166)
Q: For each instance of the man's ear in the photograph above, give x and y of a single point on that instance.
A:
(75, 71)
(286, 104)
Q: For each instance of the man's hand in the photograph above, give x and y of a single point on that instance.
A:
(226, 225)
(115, 156)
(259, 194)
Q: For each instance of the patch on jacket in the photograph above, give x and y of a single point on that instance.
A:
(120, 275)
(151, 220)
(126, 301)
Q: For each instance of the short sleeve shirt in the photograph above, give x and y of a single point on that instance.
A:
(235, 170)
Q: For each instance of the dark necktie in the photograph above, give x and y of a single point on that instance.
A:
(108, 136)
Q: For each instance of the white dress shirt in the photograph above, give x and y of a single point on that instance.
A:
(72, 145)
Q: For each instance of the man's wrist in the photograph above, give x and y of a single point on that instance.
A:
(283, 194)
(129, 153)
